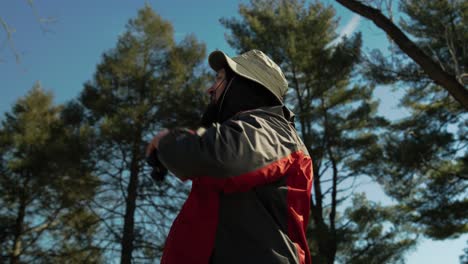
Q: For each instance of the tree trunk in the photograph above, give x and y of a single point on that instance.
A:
(324, 237)
(432, 69)
(326, 243)
(18, 231)
(332, 247)
(129, 220)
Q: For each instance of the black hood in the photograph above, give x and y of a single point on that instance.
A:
(241, 95)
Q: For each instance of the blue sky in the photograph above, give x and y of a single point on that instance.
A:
(64, 56)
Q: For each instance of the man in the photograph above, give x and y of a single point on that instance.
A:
(251, 174)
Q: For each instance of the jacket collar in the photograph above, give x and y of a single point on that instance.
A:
(280, 110)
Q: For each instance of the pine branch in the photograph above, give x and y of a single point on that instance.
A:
(432, 69)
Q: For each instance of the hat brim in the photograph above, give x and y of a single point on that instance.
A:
(219, 60)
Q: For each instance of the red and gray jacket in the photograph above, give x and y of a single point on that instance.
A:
(251, 186)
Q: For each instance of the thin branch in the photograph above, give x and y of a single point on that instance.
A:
(41, 20)
(9, 39)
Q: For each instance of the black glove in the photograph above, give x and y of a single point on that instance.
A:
(159, 171)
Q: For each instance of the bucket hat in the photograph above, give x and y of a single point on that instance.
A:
(255, 66)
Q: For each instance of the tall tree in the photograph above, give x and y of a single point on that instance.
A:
(425, 153)
(45, 180)
(335, 116)
(146, 82)
(449, 25)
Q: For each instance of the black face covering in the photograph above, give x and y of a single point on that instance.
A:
(242, 94)
(209, 116)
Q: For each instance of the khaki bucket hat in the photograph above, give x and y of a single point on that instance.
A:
(253, 65)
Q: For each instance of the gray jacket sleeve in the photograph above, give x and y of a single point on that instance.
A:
(223, 150)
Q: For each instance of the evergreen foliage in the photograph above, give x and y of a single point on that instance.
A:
(45, 182)
(424, 164)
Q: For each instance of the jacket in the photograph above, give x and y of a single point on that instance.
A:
(251, 190)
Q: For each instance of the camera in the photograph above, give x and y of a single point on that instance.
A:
(159, 171)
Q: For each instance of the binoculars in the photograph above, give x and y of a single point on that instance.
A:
(159, 171)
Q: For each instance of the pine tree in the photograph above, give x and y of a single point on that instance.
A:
(145, 83)
(45, 181)
(336, 117)
(425, 154)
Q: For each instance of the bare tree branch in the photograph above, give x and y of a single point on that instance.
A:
(9, 39)
(42, 22)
